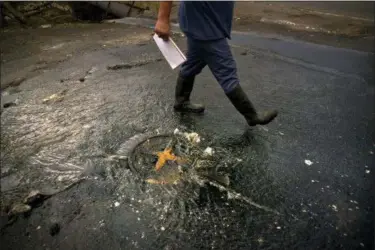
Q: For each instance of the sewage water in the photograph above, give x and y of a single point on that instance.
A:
(50, 146)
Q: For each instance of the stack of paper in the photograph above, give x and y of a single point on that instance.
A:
(170, 51)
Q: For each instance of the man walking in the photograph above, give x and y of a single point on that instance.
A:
(207, 26)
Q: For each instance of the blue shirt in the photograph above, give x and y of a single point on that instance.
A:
(206, 20)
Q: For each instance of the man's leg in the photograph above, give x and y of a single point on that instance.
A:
(218, 56)
(185, 82)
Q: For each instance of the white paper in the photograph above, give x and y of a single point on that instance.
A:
(170, 51)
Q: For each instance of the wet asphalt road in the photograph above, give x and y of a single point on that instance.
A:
(314, 163)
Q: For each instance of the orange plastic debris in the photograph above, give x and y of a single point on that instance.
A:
(163, 157)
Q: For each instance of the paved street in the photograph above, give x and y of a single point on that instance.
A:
(314, 164)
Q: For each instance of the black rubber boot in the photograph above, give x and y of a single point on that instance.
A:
(242, 103)
(184, 87)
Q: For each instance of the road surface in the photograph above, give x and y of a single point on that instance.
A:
(314, 164)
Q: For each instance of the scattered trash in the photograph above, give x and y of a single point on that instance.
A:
(162, 228)
(192, 137)
(208, 151)
(314, 181)
(55, 97)
(361, 244)
(367, 171)
(38, 228)
(278, 228)
(281, 133)
(117, 204)
(19, 209)
(154, 181)
(308, 162)
(334, 207)
(45, 26)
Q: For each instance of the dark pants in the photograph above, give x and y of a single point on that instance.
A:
(217, 55)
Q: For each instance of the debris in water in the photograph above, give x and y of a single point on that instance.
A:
(117, 204)
(208, 151)
(46, 26)
(313, 181)
(55, 97)
(192, 137)
(176, 131)
(163, 157)
(334, 207)
(154, 181)
(38, 228)
(278, 228)
(361, 244)
(308, 162)
(367, 171)
(162, 228)
(19, 209)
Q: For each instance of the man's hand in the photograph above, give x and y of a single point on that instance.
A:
(162, 27)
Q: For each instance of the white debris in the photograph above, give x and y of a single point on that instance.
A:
(334, 207)
(361, 244)
(208, 151)
(38, 228)
(366, 166)
(176, 131)
(117, 204)
(371, 152)
(138, 219)
(313, 181)
(278, 228)
(308, 162)
(45, 26)
(162, 228)
(192, 137)
(367, 171)
(281, 133)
